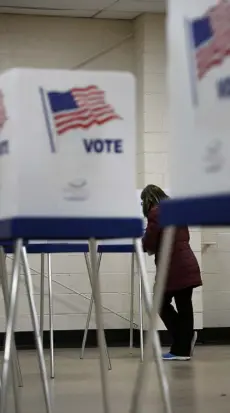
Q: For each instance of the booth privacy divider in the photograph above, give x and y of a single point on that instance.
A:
(67, 155)
(199, 152)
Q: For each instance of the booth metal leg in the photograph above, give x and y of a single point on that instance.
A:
(51, 323)
(87, 327)
(90, 309)
(29, 288)
(91, 302)
(141, 318)
(10, 325)
(131, 301)
(42, 295)
(15, 366)
(99, 322)
(153, 310)
(5, 290)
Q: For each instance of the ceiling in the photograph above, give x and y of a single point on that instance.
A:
(102, 9)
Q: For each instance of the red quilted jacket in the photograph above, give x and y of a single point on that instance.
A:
(183, 270)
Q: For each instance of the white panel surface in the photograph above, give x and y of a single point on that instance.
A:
(199, 81)
(85, 158)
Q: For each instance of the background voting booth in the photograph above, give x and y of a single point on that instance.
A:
(199, 67)
(137, 317)
(126, 246)
(47, 248)
(58, 247)
(59, 173)
(122, 247)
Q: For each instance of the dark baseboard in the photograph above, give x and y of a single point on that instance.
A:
(115, 338)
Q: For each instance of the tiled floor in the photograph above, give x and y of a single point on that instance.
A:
(199, 386)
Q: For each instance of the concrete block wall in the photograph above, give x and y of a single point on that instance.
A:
(71, 308)
(216, 269)
(152, 119)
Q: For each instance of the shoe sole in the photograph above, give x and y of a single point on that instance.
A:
(177, 359)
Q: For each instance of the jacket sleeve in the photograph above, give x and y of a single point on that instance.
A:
(152, 234)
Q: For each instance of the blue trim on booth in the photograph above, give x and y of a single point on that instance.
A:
(70, 228)
(9, 246)
(205, 211)
(116, 248)
(63, 248)
(56, 248)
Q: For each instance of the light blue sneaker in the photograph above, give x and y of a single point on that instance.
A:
(172, 357)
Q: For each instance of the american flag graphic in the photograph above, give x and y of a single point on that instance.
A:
(80, 108)
(211, 37)
(3, 116)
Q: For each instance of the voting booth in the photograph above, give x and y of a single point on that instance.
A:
(199, 153)
(122, 246)
(78, 145)
(67, 146)
(50, 248)
(199, 112)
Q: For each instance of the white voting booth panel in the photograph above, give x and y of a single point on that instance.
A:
(61, 161)
(199, 93)
(199, 82)
(124, 241)
(127, 241)
(67, 151)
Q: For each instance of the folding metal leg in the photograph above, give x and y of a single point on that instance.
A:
(90, 303)
(131, 301)
(42, 295)
(87, 327)
(30, 293)
(140, 308)
(141, 317)
(90, 309)
(51, 322)
(15, 366)
(5, 289)
(10, 325)
(153, 310)
(99, 322)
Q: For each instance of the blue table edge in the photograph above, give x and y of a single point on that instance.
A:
(50, 228)
(196, 211)
(62, 248)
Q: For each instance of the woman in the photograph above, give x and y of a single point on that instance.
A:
(183, 277)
